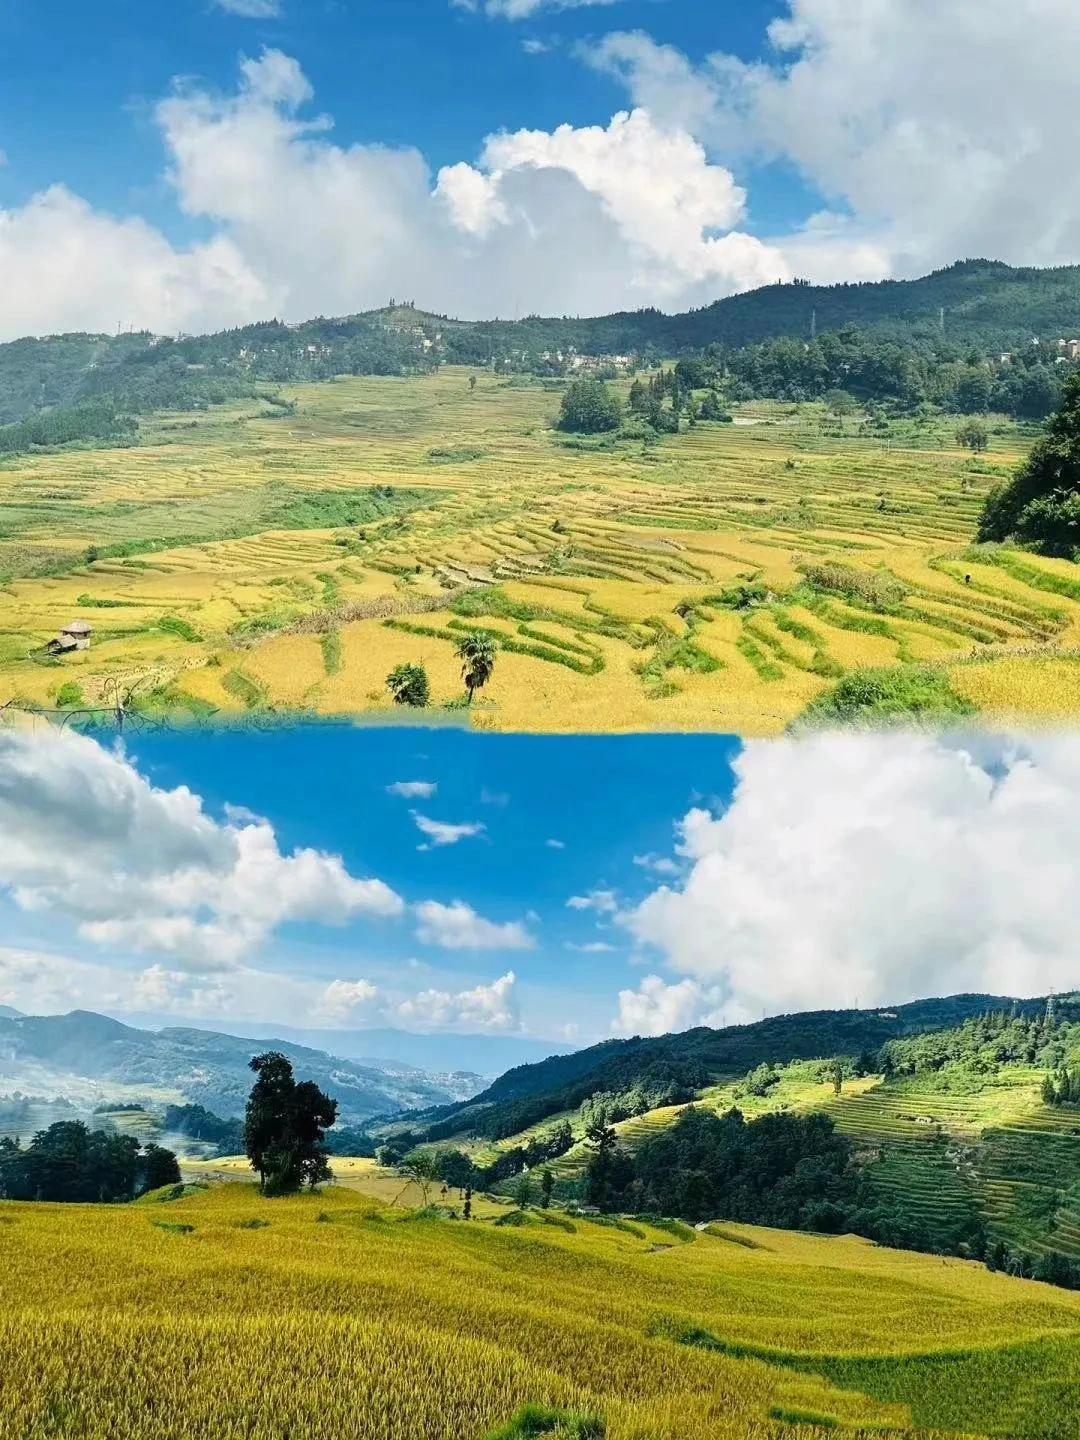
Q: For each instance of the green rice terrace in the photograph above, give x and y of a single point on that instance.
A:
(950, 1143)
(287, 556)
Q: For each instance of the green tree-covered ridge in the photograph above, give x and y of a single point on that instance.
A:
(932, 336)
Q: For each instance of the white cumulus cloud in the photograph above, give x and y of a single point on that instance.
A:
(875, 870)
(853, 96)
(485, 1007)
(347, 1000)
(457, 926)
(654, 184)
(85, 835)
(657, 1008)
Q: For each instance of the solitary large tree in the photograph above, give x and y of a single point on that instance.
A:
(1040, 506)
(285, 1126)
(476, 652)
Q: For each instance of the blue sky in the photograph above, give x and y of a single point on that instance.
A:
(543, 838)
(418, 73)
(182, 166)
(555, 888)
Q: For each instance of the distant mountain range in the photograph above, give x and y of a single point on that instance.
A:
(979, 303)
(91, 1059)
(487, 1055)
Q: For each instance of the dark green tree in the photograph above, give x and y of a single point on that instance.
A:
(522, 1191)
(476, 651)
(598, 1173)
(454, 1168)
(973, 435)
(68, 1162)
(547, 1185)
(408, 684)
(589, 408)
(285, 1126)
(158, 1167)
(1040, 506)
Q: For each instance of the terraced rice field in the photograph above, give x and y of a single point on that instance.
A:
(720, 579)
(998, 1154)
(218, 1315)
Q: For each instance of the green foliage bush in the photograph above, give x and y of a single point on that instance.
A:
(877, 589)
(538, 1422)
(887, 695)
(408, 685)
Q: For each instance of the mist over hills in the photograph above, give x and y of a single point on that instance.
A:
(486, 1055)
(89, 1059)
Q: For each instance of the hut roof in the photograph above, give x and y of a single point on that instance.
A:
(78, 627)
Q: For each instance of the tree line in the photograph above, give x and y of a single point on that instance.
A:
(70, 1162)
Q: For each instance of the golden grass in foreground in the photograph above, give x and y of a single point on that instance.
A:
(221, 1315)
(610, 544)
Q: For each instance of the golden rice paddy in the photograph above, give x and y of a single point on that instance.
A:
(220, 1315)
(607, 572)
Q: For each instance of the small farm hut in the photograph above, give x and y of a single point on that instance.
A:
(75, 636)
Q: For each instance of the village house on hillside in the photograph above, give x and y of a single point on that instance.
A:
(75, 636)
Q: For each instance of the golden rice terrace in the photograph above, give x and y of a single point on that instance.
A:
(221, 1316)
(251, 558)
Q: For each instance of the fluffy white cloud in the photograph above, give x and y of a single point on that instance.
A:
(486, 1007)
(572, 221)
(875, 870)
(69, 267)
(642, 210)
(854, 97)
(46, 983)
(657, 1008)
(439, 832)
(251, 9)
(85, 835)
(655, 184)
(457, 926)
(346, 1000)
(412, 789)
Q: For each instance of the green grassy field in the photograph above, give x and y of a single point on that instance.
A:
(219, 1315)
(249, 559)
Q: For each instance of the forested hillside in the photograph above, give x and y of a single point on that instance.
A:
(949, 1126)
(977, 307)
(684, 1063)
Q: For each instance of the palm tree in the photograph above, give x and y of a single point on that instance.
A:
(476, 651)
